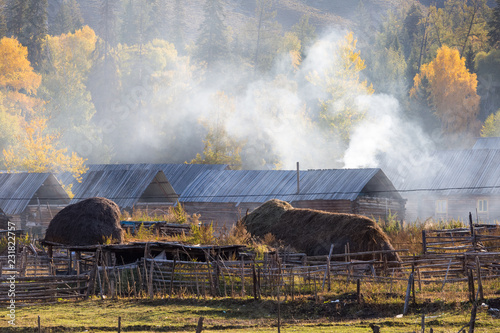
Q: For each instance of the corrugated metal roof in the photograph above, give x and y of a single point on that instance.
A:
(123, 186)
(487, 143)
(464, 172)
(260, 186)
(18, 189)
(179, 175)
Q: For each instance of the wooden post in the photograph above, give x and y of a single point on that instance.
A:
(254, 279)
(358, 290)
(424, 242)
(413, 282)
(408, 291)
(172, 279)
(278, 294)
(39, 326)
(423, 323)
(119, 324)
(327, 269)
(472, 232)
(479, 280)
(446, 275)
(470, 277)
(150, 282)
(242, 277)
(199, 328)
(472, 318)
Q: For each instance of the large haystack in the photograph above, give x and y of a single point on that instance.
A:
(313, 232)
(88, 222)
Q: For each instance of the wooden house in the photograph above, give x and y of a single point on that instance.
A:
(31, 199)
(454, 183)
(130, 188)
(225, 196)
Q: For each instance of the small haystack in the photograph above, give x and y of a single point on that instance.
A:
(88, 222)
(313, 231)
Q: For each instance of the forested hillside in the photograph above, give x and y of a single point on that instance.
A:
(251, 83)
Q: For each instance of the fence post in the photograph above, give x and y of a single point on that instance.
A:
(424, 242)
(479, 281)
(408, 291)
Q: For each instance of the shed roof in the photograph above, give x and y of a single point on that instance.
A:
(179, 175)
(260, 186)
(487, 143)
(463, 172)
(18, 190)
(125, 187)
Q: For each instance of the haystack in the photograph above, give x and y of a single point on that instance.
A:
(313, 231)
(88, 222)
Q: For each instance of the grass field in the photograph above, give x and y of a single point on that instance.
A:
(447, 312)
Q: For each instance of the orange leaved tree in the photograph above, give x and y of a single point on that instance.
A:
(36, 151)
(451, 91)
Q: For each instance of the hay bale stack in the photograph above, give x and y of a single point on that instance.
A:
(313, 231)
(88, 222)
(262, 220)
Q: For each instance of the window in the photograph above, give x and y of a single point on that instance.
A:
(441, 206)
(482, 206)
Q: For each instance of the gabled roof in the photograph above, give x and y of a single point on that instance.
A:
(18, 190)
(125, 187)
(487, 143)
(260, 186)
(469, 172)
(179, 175)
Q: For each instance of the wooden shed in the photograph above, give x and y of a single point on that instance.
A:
(31, 199)
(129, 188)
(455, 183)
(225, 196)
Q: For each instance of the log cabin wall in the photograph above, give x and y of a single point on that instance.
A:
(457, 208)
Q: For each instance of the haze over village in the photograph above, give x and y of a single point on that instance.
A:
(250, 164)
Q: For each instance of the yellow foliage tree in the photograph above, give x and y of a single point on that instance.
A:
(37, 151)
(342, 81)
(220, 148)
(18, 81)
(451, 91)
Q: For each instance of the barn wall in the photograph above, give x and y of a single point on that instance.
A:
(36, 218)
(153, 208)
(333, 206)
(380, 208)
(223, 215)
(423, 207)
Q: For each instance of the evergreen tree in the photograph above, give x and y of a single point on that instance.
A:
(68, 18)
(16, 14)
(179, 26)
(267, 29)
(159, 19)
(3, 19)
(212, 42)
(129, 33)
(107, 24)
(36, 30)
(494, 27)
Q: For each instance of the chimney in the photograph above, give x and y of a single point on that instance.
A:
(298, 178)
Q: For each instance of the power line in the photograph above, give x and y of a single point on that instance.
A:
(174, 196)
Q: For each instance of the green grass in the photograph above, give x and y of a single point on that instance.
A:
(243, 315)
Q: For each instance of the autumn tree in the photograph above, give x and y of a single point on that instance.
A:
(38, 151)
(220, 148)
(451, 91)
(343, 83)
(69, 105)
(18, 81)
(305, 32)
(491, 127)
